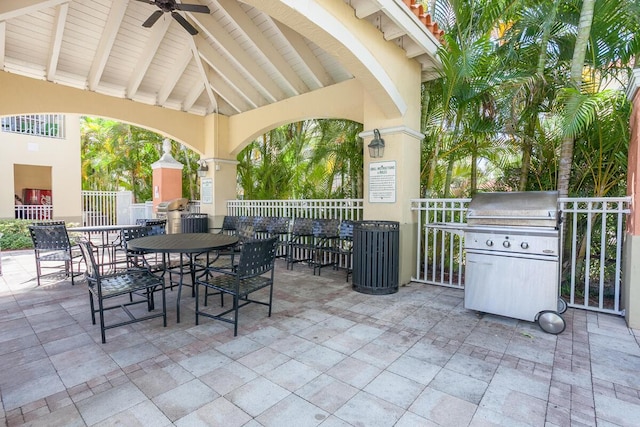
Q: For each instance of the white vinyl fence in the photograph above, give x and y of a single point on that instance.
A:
(591, 253)
(341, 209)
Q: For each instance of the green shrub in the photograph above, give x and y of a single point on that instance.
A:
(15, 234)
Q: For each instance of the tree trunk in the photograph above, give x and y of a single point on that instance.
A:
(577, 64)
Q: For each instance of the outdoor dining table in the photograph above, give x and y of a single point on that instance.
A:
(108, 240)
(189, 244)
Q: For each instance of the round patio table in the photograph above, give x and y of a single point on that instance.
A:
(184, 244)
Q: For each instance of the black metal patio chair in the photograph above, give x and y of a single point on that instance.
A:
(255, 271)
(119, 287)
(53, 250)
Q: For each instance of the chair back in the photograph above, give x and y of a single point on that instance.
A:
(229, 223)
(130, 233)
(92, 270)
(279, 225)
(326, 227)
(158, 226)
(50, 237)
(302, 227)
(257, 258)
(346, 230)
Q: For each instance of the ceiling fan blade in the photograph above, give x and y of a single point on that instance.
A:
(147, 1)
(152, 19)
(198, 8)
(185, 24)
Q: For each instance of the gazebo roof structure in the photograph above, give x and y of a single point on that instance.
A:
(241, 59)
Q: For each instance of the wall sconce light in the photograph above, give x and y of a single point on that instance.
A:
(376, 146)
(203, 169)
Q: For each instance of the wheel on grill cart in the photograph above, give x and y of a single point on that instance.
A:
(562, 305)
(551, 322)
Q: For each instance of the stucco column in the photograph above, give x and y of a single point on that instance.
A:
(167, 177)
(631, 256)
(217, 188)
(389, 199)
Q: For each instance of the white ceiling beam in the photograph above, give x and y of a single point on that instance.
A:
(158, 32)
(232, 78)
(15, 8)
(237, 55)
(310, 61)
(173, 75)
(192, 96)
(403, 17)
(270, 53)
(3, 37)
(231, 98)
(56, 37)
(116, 14)
(203, 75)
(365, 8)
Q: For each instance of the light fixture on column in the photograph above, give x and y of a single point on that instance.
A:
(376, 146)
(203, 169)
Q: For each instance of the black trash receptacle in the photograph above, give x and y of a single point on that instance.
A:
(195, 223)
(375, 257)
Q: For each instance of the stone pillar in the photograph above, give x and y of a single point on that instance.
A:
(631, 256)
(167, 177)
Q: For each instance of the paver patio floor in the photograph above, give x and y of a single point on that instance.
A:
(328, 356)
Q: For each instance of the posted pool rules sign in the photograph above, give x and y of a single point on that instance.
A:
(382, 182)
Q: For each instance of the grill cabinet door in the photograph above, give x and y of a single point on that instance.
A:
(510, 286)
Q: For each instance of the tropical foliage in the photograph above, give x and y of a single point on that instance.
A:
(314, 159)
(530, 96)
(118, 156)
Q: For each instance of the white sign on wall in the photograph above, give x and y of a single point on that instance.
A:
(206, 191)
(382, 182)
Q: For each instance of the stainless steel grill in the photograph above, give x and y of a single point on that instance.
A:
(172, 211)
(512, 257)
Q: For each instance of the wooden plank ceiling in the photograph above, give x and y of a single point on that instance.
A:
(241, 58)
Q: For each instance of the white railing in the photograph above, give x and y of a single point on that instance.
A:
(46, 125)
(592, 252)
(140, 211)
(591, 268)
(440, 255)
(99, 208)
(34, 212)
(314, 208)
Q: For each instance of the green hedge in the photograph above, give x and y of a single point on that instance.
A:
(15, 234)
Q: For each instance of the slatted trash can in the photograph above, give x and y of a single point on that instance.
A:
(375, 257)
(195, 223)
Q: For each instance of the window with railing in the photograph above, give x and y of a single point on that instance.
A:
(45, 125)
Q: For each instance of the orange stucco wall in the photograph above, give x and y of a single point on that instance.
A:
(633, 180)
(168, 183)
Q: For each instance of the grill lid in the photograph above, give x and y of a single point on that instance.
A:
(524, 208)
(173, 205)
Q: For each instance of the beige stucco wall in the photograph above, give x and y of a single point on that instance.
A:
(35, 155)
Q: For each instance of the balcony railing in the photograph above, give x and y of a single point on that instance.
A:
(45, 125)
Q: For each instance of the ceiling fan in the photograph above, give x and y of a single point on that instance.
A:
(172, 6)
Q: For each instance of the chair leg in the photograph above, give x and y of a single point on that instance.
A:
(235, 315)
(38, 271)
(197, 286)
(102, 328)
(93, 308)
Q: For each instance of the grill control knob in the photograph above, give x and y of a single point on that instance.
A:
(489, 242)
(524, 245)
(506, 244)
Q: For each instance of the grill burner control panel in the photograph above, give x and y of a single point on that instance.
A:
(538, 242)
